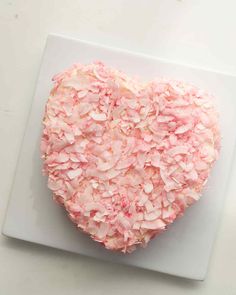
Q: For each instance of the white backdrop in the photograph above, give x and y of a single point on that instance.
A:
(196, 32)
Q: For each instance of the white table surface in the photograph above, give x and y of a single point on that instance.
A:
(196, 32)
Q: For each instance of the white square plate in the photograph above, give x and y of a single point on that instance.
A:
(184, 249)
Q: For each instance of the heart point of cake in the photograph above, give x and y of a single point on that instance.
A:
(126, 158)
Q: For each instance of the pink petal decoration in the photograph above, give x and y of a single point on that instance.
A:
(126, 158)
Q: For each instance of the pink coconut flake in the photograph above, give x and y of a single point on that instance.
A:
(74, 173)
(126, 158)
(98, 116)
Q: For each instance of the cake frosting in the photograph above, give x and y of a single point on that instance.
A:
(126, 158)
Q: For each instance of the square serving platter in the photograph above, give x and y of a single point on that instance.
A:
(184, 249)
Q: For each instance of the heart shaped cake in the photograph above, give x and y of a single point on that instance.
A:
(126, 158)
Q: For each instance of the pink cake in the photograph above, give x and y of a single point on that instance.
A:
(126, 158)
